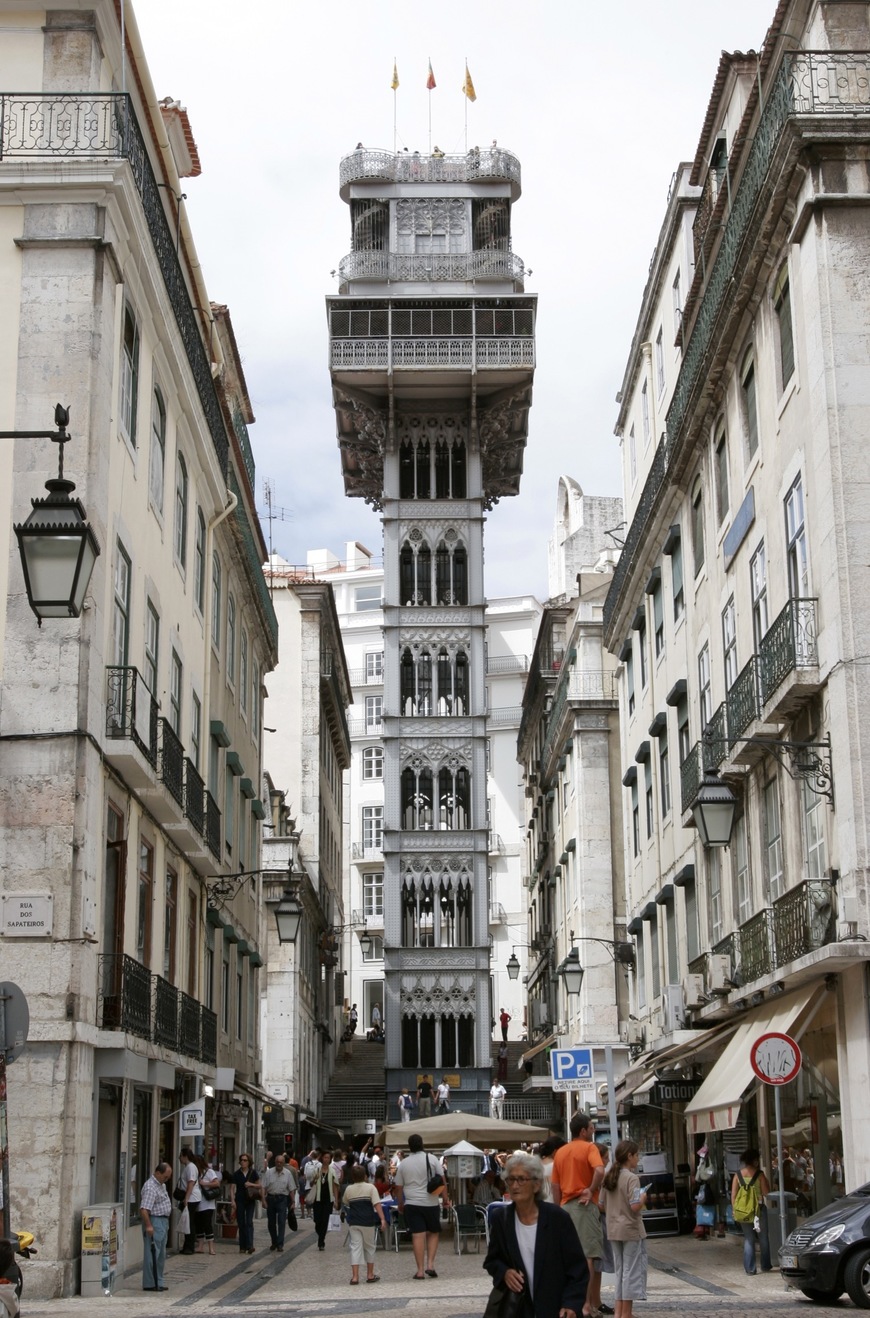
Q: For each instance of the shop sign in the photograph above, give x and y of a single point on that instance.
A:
(674, 1091)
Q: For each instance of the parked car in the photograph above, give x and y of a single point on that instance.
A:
(830, 1252)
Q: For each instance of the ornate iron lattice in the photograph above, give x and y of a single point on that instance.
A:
(756, 946)
(431, 267)
(690, 777)
(212, 825)
(430, 995)
(742, 701)
(789, 643)
(411, 167)
(171, 761)
(208, 1037)
(194, 797)
(165, 1012)
(125, 995)
(188, 1025)
(131, 711)
(804, 918)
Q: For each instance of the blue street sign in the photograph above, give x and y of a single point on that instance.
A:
(572, 1065)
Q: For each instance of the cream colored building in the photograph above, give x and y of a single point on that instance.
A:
(131, 738)
(739, 607)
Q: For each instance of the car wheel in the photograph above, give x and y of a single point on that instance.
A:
(821, 1297)
(857, 1278)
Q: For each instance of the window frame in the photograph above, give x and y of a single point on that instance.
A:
(199, 562)
(152, 647)
(128, 403)
(783, 311)
(749, 401)
(697, 526)
(796, 540)
(176, 688)
(720, 470)
(157, 469)
(182, 498)
(373, 758)
(121, 592)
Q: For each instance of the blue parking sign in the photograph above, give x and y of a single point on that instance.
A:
(572, 1066)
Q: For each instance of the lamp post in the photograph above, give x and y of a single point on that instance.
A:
(57, 546)
(713, 810)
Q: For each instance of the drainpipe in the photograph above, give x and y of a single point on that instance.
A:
(230, 506)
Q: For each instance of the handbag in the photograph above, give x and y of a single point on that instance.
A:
(504, 1303)
(435, 1181)
(706, 1195)
(291, 1220)
(179, 1194)
(253, 1189)
(210, 1191)
(311, 1194)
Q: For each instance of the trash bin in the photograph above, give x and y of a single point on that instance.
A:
(773, 1220)
(100, 1247)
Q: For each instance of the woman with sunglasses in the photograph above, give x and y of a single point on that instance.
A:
(246, 1191)
(534, 1250)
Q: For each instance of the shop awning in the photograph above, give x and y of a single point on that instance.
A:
(527, 1056)
(716, 1106)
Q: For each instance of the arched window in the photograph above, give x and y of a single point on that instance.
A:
(158, 450)
(417, 788)
(451, 572)
(785, 331)
(231, 638)
(216, 586)
(414, 469)
(199, 562)
(416, 683)
(720, 471)
(243, 671)
(415, 573)
(452, 690)
(454, 798)
(181, 511)
(129, 375)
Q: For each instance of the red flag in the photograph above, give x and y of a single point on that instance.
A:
(430, 81)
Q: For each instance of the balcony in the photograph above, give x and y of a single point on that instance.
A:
(360, 727)
(715, 738)
(804, 919)
(189, 1025)
(362, 677)
(449, 354)
(165, 1012)
(446, 267)
(212, 826)
(367, 852)
(507, 663)
(131, 725)
(450, 333)
(755, 941)
(508, 714)
(125, 996)
(403, 167)
(690, 778)
(741, 702)
(208, 1044)
(788, 658)
(497, 913)
(172, 762)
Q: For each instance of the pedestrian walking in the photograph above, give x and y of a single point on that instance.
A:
(405, 1104)
(376, 1018)
(578, 1170)
(443, 1097)
(210, 1187)
(155, 1210)
(496, 1099)
(749, 1185)
(362, 1213)
(189, 1182)
(420, 1205)
(624, 1200)
(279, 1187)
(354, 1019)
(502, 1062)
(323, 1196)
(504, 1021)
(424, 1096)
(247, 1189)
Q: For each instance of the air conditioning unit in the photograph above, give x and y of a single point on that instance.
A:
(673, 1007)
(632, 1033)
(719, 973)
(693, 991)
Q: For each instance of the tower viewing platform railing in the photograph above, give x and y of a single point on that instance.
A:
(445, 266)
(493, 164)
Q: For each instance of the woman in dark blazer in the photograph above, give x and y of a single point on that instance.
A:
(534, 1248)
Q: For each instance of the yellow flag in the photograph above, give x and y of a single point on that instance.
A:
(468, 86)
(395, 83)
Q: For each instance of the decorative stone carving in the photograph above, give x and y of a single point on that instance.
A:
(454, 958)
(431, 215)
(439, 618)
(436, 427)
(434, 995)
(454, 841)
(449, 638)
(435, 755)
(363, 431)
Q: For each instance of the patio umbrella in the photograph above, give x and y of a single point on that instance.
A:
(439, 1133)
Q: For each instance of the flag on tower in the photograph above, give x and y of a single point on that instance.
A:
(395, 83)
(430, 81)
(468, 86)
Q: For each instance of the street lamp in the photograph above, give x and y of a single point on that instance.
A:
(57, 546)
(713, 810)
(513, 965)
(572, 972)
(288, 916)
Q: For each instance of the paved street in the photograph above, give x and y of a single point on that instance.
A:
(687, 1277)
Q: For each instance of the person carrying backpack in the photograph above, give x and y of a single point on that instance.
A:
(748, 1188)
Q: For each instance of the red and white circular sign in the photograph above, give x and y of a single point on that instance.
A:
(775, 1058)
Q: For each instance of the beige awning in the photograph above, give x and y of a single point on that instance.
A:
(527, 1056)
(716, 1106)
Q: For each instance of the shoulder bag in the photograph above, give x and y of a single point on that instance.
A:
(435, 1181)
(504, 1303)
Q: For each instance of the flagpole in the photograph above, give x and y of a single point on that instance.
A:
(465, 98)
(394, 106)
(430, 108)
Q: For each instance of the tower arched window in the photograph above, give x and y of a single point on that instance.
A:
(416, 683)
(433, 469)
(451, 573)
(452, 688)
(454, 916)
(415, 573)
(454, 798)
(415, 475)
(417, 792)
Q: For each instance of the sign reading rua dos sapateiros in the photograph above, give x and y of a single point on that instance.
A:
(26, 915)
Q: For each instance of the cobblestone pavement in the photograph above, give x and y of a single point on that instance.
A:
(687, 1278)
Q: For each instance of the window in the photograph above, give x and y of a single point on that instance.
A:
(704, 692)
(152, 647)
(658, 620)
(750, 404)
(121, 608)
(158, 450)
(255, 701)
(758, 583)
(697, 519)
(231, 638)
(225, 988)
(729, 642)
(635, 820)
(373, 827)
(654, 959)
(677, 578)
(632, 456)
(176, 676)
(796, 542)
(373, 762)
(199, 562)
(375, 666)
(229, 812)
(169, 925)
(693, 934)
(683, 734)
(240, 996)
(640, 980)
(660, 363)
(243, 671)
(641, 654)
(720, 471)
(813, 813)
(129, 375)
(374, 712)
(629, 680)
(181, 511)
(782, 307)
(664, 777)
(773, 840)
(648, 798)
(242, 850)
(644, 412)
(367, 598)
(677, 301)
(714, 890)
(195, 730)
(373, 894)
(216, 585)
(208, 968)
(742, 873)
(144, 905)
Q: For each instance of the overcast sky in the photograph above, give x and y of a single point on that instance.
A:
(599, 102)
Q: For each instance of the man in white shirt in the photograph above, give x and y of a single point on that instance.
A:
(496, 1099)
(279, 1183)
(422, 1210)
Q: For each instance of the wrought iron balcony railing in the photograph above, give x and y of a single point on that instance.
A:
(742, 701)
(789, 643)
(804, 918)
(407, 167)
(807, 83)
(727, 946)
(212, 825)
(165, 1012)
(442, 266)
(698, 965)
(507, 663)
(171, 761)
(507, 714)
(715, 739)
(690, 777)
(103, 126)
(592, 684)
(755, 941)
(189, 1025)
(194, 797)
(362, 677)
(208, 1048)
(125, 995)
(131, 710)
(241, 429)
(384, 354)
(360, 727)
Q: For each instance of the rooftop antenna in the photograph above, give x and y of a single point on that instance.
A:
(273, 514)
